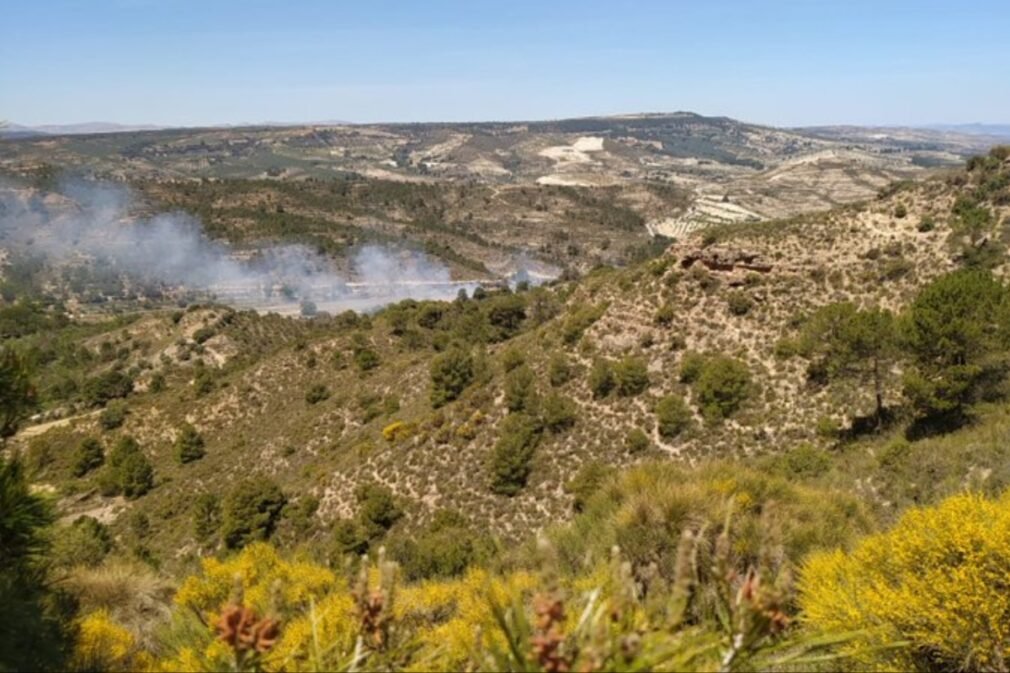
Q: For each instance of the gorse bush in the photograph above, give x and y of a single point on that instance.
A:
(932, 582)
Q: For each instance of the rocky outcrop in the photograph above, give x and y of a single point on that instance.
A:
(726, 259)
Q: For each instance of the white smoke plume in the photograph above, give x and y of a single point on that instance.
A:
(97, 222)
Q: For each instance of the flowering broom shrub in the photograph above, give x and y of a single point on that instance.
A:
(938, 582)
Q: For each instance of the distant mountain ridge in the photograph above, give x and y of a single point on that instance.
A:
(1000, 130)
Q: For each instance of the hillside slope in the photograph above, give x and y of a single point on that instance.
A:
(322, 406)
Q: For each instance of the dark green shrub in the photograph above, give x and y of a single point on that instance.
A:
(505, 315)
(378, 509)
(637, 441)
(601, 378)
(559, 370)
(512, 459)
(691, 365)
(189, 444)
(350, 537)
(17, 395)
(739, 303)
(512, 358)
(806, 460)
(87, 456)
(673, 416)
(203, 334)
(251, 512)
(665, 315)
(317, 393)
(519, 389)
(722, 387)
(112, 416)
(579, 321)
(451, 372)
(111, 385)
(956, 332)
(557, 413)
(445, 548)
(631, 376)
(127, 470)
(366, 359)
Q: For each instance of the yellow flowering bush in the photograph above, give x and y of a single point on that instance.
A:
(264, 576)
(937, 581)
(398, 431)
(449, 613)
(103, 645)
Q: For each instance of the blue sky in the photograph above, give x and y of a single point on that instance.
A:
(193, 62)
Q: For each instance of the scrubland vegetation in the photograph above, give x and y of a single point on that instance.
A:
(778, 465)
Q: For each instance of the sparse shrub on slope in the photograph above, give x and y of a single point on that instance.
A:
(88, 456)
(512, 459)
(520, 389)
(934, 581)
(317, 392)
(558, 413)
(559, 370)
(127, 470)
(956, 331)
(251, 512)
(85, 542)
(102, 388)
(451, 372)
(112, 416)
(721, 385)
(444, 548)
(579, 321)
(631, 376)
(601, 378)
(673, 416)
(189, 444)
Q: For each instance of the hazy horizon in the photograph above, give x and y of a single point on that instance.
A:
(786, 63)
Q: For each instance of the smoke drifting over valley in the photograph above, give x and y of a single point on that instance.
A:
(96, 223)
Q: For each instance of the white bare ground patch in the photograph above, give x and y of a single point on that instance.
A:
(564, 181)
(576, 153)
